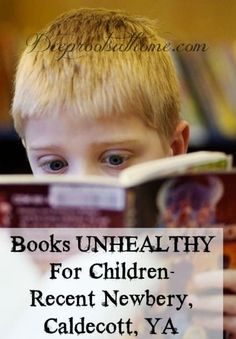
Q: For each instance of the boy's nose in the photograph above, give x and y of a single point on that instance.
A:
(82, 169)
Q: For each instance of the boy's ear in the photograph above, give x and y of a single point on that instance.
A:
(179, 143)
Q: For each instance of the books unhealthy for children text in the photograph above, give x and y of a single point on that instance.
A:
(193, 190)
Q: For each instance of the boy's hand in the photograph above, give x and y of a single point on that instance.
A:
(230, 300)
(210, 280)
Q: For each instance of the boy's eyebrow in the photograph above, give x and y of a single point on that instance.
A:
(116, 141)
(43, 147)
(93, 144)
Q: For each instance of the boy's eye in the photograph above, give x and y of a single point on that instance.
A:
(54, 166)
(115, 160)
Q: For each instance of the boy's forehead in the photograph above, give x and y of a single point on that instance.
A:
(127, 121)
(113, 129)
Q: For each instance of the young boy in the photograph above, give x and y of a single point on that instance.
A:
(90, 99)
(96, 92)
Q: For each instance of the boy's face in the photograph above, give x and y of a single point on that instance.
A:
(105, 146)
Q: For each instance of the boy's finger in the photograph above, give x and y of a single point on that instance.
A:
(209, 303)
(230, 279)
(230, 304)
(208, 280)
(214, 304)
(214, 279)
(212, 323)
(230, 324)
(215, 323)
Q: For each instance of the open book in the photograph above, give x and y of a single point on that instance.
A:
(143, 196)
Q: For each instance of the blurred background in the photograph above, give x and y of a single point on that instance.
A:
(208, 79)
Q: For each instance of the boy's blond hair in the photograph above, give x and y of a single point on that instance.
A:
(97, 62)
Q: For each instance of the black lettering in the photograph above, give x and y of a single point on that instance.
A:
(36, 295)
(47, 327)
(17, 244)
(153, 325)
